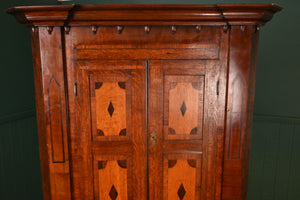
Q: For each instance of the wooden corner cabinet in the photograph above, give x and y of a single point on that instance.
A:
(145, 102)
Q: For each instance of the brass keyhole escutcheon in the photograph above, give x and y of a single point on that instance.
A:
(153, 137)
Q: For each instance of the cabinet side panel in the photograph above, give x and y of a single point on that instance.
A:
(51, 109)
(41, 118)
(250, 106)
(240, 97)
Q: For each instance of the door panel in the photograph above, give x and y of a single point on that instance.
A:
(111, 106)
(182, 176)
(184, 118)
(110, 153)
(183, 106)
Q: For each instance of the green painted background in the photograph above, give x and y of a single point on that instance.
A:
(275, 155)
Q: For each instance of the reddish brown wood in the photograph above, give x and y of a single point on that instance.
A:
(240, 98)
(219, 14)
(52, 112)
(144, 102)
(40, 112)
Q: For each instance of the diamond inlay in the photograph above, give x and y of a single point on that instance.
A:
(113, 193)
(110, 109)
(183, 108)
(181, 192)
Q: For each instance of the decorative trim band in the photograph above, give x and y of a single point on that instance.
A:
(147, 14)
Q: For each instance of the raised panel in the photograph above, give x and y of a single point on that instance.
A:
(182, 176)
(236, 117)
(112, 178)
(183, 106)
(159, 43)
(109, 153)
(56, 124)
(110, 106)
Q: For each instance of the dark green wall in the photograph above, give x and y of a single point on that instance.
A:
(275, 154)
(19, 153)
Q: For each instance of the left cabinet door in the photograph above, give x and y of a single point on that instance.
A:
(108, 148)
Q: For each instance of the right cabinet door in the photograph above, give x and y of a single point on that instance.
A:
(186, 118)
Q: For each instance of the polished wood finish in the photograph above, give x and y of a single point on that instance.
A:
(52, 112)
(139, 102)
(139, 14)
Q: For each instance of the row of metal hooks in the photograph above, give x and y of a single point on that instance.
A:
(147, 29)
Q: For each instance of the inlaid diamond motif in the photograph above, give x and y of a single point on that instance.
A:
(113, 193)
(183, 108)
(181, 192)
(110, 109)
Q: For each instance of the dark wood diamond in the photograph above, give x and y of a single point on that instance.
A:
(110, 109)
(113, 193)
(183, 108)
(181, 192)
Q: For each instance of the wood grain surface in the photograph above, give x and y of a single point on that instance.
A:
(145, 102)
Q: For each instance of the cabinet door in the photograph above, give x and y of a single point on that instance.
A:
(186, 118)
(109, 147)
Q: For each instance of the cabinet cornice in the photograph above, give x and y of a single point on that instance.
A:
(141, 14)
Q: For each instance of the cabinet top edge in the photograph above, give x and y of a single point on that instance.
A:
(147, 14)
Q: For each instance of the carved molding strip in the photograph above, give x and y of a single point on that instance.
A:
(80, 15)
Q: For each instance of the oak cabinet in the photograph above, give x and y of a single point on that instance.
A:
(145, 101)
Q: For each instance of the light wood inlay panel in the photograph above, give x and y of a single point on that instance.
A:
(111, 178)
(182, 177)
(110, 106)
(184, 98)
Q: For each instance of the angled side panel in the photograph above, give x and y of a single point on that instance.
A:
(51, 112)
(240, 98)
